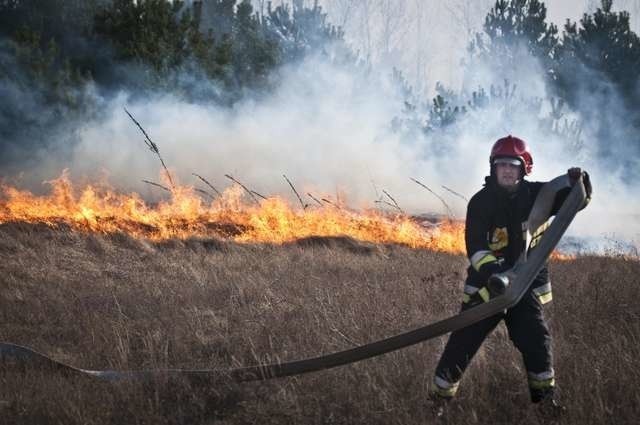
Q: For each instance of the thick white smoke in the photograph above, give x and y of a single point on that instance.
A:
(328, 128)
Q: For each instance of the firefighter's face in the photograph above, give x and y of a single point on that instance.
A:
(508, 175)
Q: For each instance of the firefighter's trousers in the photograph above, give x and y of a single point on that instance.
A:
(529, 333)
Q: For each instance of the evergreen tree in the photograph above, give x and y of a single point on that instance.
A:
(51, 19)
(46, 70)
(67, 24)
(217, 18)
(602, 46)
(300, 29)
(254, 54)
(597, 73)
(223, 41)
(512, 29)
(41, 51)
(153, 32)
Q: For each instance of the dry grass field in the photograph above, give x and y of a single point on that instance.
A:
(111, 301)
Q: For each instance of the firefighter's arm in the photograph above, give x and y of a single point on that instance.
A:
(477, 228)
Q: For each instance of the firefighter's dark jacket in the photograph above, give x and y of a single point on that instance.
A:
(494, 230)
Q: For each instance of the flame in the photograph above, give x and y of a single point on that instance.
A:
(101, 209)
(559, 256)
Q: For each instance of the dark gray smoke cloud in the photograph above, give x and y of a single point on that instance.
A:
(23, 114)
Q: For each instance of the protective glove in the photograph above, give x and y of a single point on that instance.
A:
(574, 175)
(491, 268)
(498, 284)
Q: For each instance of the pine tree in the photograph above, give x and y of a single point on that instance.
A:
(51, 19)
(152, 32)
(603, 45)
(513, 28)
(300, 29)
(254, 55)
(599, 61)
(217, 18)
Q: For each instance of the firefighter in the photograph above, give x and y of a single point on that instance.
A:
(496, 217)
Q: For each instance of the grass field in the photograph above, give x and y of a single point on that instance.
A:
(111, 301)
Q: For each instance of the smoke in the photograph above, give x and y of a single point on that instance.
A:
(23, 110)
(329, 130)
(328, 127)
(606, 145)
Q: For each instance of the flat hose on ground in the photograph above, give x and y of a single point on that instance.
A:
(520, 277)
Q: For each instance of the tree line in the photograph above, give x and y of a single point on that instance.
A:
(60, 58)
(218, 50)
(61, 42)
(591, 67)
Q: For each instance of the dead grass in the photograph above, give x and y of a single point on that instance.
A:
(110, 301)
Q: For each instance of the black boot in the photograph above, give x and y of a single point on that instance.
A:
(439, 405)
(549, 409)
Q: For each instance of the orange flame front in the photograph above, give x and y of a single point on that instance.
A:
(186, 214)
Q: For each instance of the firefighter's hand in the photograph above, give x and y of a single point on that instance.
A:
(574, 175)
(587, 185)
(497, 284)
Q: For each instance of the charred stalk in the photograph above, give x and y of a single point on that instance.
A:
(251, 193)
(302, 204)
(257, 194)
(315, 199)
(373, 183)
(393, 200)
(157, 185)
(153, 147)
(389, 204)
(204, 192)
(454, 192)
(449, 213)
(330, 203)
(208, 184)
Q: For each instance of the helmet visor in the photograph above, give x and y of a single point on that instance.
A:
(506, 160)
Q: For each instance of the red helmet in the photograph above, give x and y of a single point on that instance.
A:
(514, 148)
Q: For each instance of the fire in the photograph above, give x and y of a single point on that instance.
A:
(559, 256)
(186, 215)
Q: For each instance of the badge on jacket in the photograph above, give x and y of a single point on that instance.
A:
(499, 239)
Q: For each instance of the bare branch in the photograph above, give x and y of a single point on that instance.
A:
(455, 193)
(330, 203)
(257, 194)
(244, 187)
(373, 183)
(315, 199)
(205, 193)
(449, 213)
(389, 204)
(157, 185)
(393, 200)
(207, 183)
(147, 141)
(153, 147)
(304, 206)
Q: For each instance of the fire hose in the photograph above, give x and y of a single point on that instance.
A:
(517, 280)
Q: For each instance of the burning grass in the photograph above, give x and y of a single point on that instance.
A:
(110, 300)
(100, 209)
